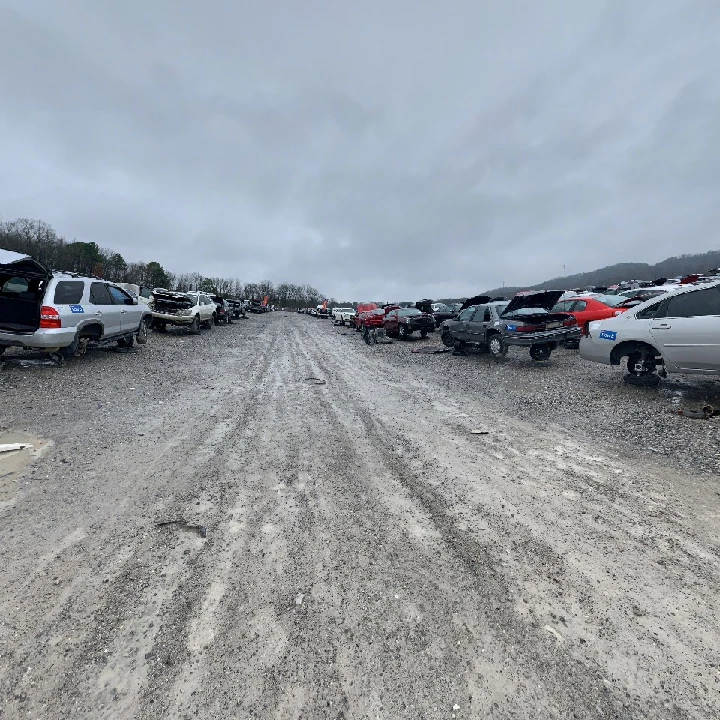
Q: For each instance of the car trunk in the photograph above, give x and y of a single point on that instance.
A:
(171, 303)
(540, 318)
(22, 288)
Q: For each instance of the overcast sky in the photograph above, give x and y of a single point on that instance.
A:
(389, 149)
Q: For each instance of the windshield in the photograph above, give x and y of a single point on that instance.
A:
(530, 311)
(409, 311)
(647, 293)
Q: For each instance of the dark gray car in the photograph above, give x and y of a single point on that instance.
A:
(473, 326)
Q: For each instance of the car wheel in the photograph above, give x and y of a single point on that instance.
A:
(540, 352)
(423, 333)
(497, 346)
(212, 322)
(195, 325)
(403, 334)
(459, 346)
(447, 340)
(142, 333)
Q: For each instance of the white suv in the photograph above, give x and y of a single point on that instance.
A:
(63, 314)
(191, 310)
(342, 315)
(678, 332)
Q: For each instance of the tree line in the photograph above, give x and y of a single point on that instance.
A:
(39, 240)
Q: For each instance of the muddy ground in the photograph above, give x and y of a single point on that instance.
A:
(421, 536)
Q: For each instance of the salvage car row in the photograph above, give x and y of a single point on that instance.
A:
(657, 330)
(64, 314)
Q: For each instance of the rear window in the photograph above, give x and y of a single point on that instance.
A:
(611, 300)
(69, 292)
(14, 285)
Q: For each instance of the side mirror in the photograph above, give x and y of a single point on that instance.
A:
(131, 301)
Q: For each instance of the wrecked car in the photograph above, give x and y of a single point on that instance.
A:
(189, 310)
(64, 314)
(475, 325)
(403, 322)
(678, 332)
(527, 321)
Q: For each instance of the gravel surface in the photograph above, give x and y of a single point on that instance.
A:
(421, 536)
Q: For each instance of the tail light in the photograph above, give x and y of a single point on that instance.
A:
(49, 318)
(569, 322)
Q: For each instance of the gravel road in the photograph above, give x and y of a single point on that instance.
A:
(420, 536)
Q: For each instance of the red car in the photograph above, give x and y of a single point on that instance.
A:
(587, 309)
(370, 319)
(362, 308)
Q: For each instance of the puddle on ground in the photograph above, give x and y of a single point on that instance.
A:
(14, 462)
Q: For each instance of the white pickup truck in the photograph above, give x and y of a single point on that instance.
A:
(342, 316)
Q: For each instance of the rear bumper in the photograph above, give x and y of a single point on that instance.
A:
(529, 339)
(591, 350)
(39, 340)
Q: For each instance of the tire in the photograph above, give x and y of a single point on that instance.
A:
(447, 340)
(497, 346)
(403, 334)
(212, 322)
(423, 333)
(195, 326)
(459, 346)
(126, 342)
(539, 353)
(142, 333)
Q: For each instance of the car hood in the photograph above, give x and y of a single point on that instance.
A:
(424, 306)
(477, 300)
(23, 265)
(545, 299)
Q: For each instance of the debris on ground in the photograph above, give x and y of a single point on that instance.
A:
(201, 529)
(12, 447)
(316, 381)
(431, 350)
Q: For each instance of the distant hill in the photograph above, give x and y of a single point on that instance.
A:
(613, 274)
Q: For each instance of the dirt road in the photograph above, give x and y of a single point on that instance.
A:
(366, 554)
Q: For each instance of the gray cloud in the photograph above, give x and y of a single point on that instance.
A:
(386, 150)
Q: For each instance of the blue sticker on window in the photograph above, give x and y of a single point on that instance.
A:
(76, 309)
(608, 335)
(511, 328)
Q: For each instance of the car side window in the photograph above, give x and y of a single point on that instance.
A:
(99, 294)
(479, 313)
(579, 306)
(69, 292)
(466, 313)
(120, 297)
(648, 313)
(562, 306)
(694, 304)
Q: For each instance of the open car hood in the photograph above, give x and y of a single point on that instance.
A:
(545, 299)
(22, 265)
(477, 300)
(424, 306)
(174, 296)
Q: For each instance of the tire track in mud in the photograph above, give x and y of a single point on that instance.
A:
(109, 629)
(589, 691)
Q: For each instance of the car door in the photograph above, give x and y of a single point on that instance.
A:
(687, 330)
(460, 331)
(476, 324)
(391, 321)
(104, 309)
(130, 313)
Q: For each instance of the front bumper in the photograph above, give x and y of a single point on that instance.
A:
(541, 338)
(173, 319)
(418, 327)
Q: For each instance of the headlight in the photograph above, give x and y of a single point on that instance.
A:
(185, 313)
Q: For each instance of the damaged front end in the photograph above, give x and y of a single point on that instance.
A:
(172, 307)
